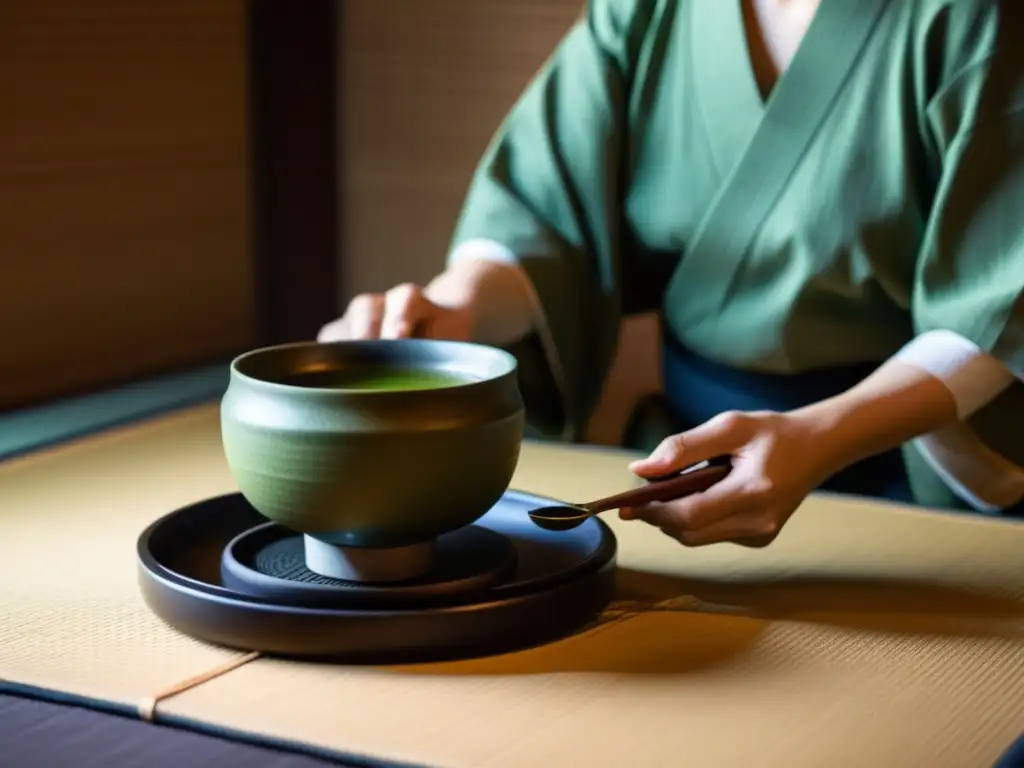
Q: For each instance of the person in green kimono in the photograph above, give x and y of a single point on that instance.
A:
(825, 202)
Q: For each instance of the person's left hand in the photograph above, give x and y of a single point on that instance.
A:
(777, 460)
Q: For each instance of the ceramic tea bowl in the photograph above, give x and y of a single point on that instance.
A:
(373, 444)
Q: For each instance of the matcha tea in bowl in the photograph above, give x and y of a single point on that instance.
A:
(373, 449)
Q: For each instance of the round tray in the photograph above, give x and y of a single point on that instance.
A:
(562, 581)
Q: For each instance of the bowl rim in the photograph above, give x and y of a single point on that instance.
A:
(510, 369)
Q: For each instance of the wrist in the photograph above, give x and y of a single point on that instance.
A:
(898, 403)
(456, 290)
(832, 427)
(492, 296)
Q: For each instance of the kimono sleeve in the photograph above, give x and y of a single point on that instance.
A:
(547, 192)
(969, 276)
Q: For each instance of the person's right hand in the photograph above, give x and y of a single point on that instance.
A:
(402, 312)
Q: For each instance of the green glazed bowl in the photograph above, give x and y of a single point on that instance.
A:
(378, 444)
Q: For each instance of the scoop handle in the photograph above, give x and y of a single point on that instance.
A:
(666, 489)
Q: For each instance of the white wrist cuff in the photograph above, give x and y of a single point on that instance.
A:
(973, 377)
(484, 250)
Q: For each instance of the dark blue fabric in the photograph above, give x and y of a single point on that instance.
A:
(1013, 757)
(59, 730)
(38, 734)
(698, 389)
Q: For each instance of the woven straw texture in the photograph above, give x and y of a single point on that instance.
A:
(865, 636)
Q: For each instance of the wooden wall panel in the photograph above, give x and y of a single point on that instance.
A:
(422, 87)
(123, 191)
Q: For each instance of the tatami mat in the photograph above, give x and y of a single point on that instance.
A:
(71, 617)
(656, 690)
(881, 638)
(865, 636)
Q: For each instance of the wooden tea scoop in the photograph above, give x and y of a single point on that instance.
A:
(700, 477)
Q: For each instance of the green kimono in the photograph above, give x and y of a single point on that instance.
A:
(877, 193)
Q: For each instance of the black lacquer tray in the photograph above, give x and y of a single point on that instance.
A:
(554, 584)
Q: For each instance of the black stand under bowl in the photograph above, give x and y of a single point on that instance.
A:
(219, 572)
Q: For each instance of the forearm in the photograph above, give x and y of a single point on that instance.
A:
(495, 293)
(936, 381)
(897, 403)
